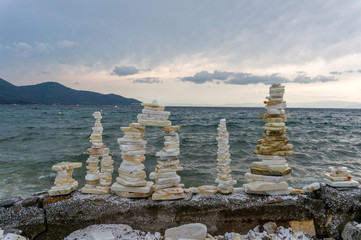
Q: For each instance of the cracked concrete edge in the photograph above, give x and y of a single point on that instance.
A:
(218, 212)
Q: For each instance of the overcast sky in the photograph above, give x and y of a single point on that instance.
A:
(186, 52)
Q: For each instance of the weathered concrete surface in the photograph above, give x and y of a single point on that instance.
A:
(342, 206)
(30, 220)
(220, 213)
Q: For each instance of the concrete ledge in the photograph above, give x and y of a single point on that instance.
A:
(57, 217)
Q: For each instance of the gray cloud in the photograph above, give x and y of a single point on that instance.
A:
(147, 80)
(247, 78)
(335, 73)
(204, 76)
(349, 71)
(124, 70)
(307, 79)
(257, 35)
(240, 78)
(359, 70)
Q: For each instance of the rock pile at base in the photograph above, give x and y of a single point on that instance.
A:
(268, 176)
(96, 182)
(224, 177)
(167, 182)
(131, 180)
(64, 182)
(339, 177)
(192, 231)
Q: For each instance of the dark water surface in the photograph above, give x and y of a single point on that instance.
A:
(33, 138)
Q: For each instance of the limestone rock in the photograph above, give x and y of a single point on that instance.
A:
(270, 227)
(224, 177)
(196, 231)
(12, 236)
(351, 232)
(98, 182)
(64, 182)
(103, 235)
(342, 184)
(167, 182)
(306, 226)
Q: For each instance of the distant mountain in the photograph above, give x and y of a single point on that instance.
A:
(55, 93)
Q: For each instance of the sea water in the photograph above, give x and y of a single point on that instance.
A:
(35, 137)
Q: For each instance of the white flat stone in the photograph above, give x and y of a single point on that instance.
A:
(238, 190)
(276, 111)
(265, 186)
(64, 189)
(337, 179)
(136, 152)
(91, 177)
(168, 180)
(196, 231)
(13, 236)
(312, 187)
(66, 165)
(131, 183)
(165, 154)
(228, 182)
(272, 167)
(255, 177)
(270, 157)
(152, 112)
(116, 187)
(154, 175)
(131, 179)
(131, 147)
(274, 162)
(155, 123)
(342, 184)
(132, 168)
(106, 235)
(125, 141)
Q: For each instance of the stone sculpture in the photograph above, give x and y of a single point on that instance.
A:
(131, 182)
(224, 178)
(339, 177)
(64, 182)
(98, 182)
(268, 177)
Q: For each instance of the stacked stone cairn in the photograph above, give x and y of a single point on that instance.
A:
(98, 182)
(339, 177)
(131, 181)
(224, 179)
(167, 186)
(64, 182)
(268, 177)
(153, 114)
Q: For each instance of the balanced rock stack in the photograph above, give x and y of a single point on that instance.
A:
(64, 182)
(224, 179)
(96, 182)
(339, 177)
(167, 186)
(153, 114)
(268, 176)
(131, 181)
